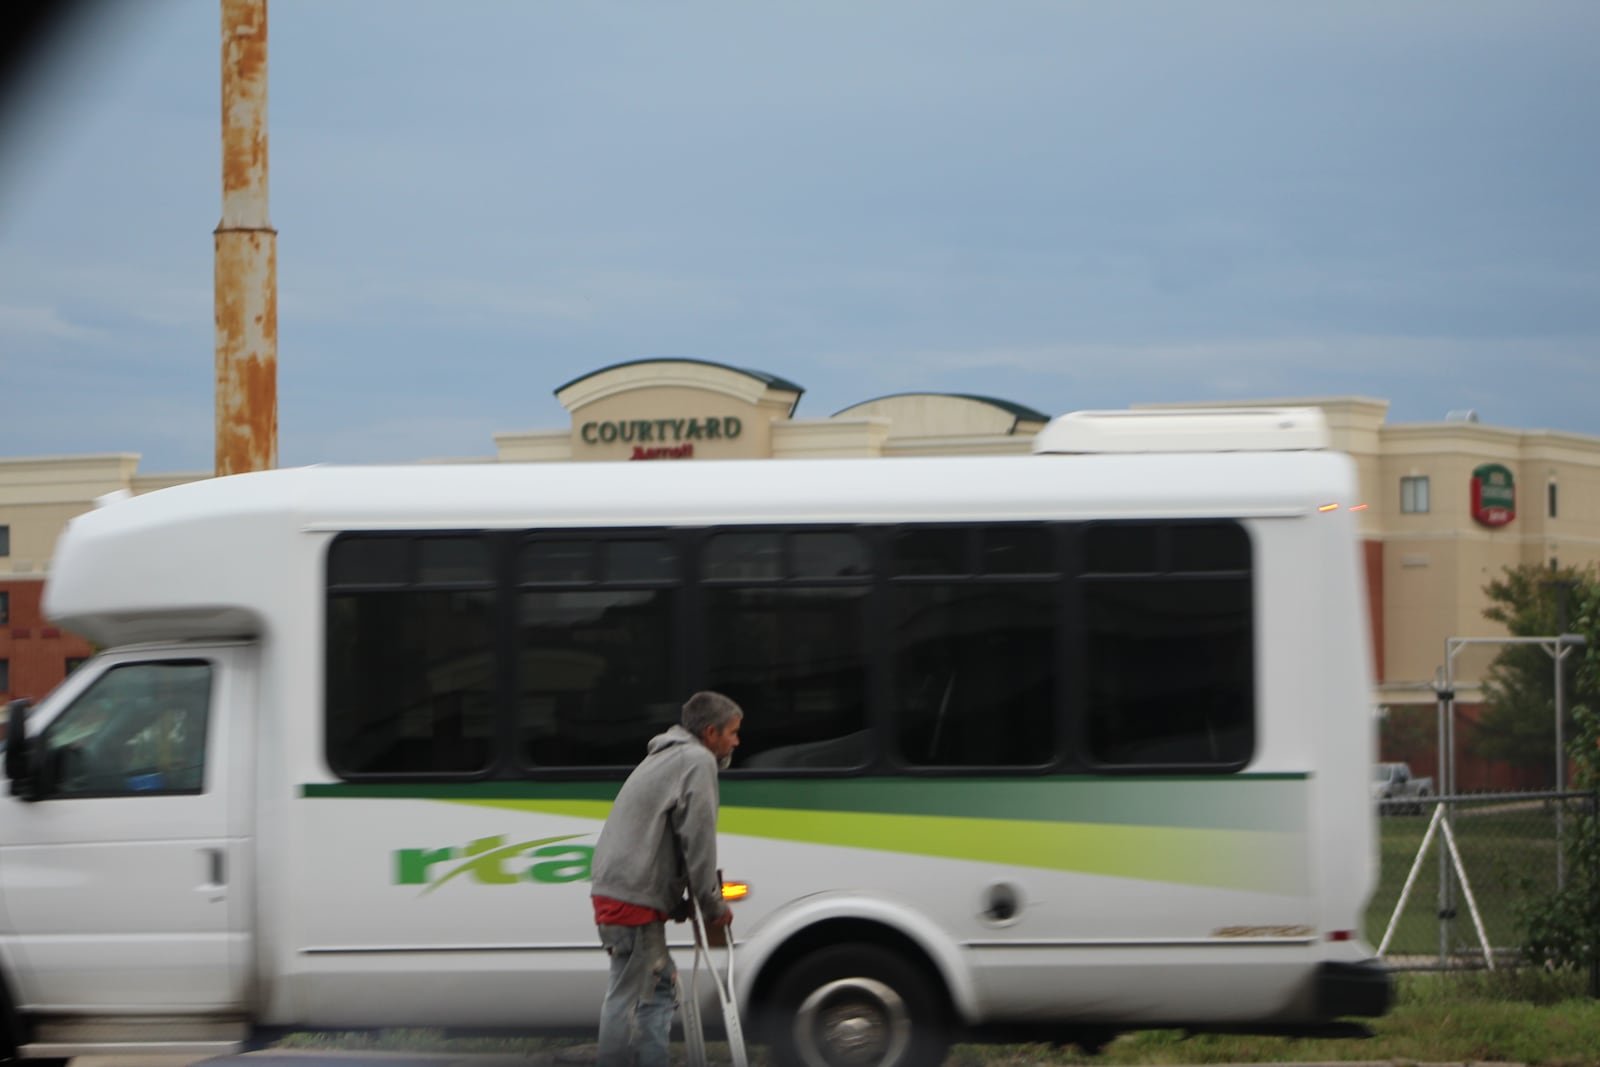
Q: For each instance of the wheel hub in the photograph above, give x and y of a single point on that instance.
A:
(852, 1022)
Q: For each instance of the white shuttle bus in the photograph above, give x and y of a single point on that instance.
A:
(1048, 745)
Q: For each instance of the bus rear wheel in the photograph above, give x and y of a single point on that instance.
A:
(856, 1006)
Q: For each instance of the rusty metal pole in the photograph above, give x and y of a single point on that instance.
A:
(246, 253)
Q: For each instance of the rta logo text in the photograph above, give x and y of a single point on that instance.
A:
(490, 861)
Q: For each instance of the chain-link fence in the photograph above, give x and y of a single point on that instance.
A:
(1505, 857)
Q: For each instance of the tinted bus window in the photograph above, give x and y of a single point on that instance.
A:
(974, 674)
(410, 667)
(595, 650)
(1169, 646)
(788, 642)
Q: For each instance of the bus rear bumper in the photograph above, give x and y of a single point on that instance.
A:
(1363, 989)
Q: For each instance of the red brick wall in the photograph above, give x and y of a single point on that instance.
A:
(1419, 746)
(37, 651)
(1373, 554)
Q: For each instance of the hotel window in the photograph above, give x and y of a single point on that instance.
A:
(1414, 495)
(5, 608)
(1551, 497)
(5, 676)
(5, 540)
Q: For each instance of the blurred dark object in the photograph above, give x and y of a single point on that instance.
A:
(30, 33)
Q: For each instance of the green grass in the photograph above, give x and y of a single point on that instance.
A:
(1527, 1017)
(1509, 854)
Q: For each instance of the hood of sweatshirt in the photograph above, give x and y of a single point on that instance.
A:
(676, 735)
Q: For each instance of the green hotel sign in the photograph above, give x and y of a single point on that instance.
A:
(1494, 495)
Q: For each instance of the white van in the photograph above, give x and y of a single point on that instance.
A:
(1038, 745)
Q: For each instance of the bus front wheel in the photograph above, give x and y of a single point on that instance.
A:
(856, 1005)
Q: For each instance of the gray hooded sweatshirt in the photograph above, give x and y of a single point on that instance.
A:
(668, 804)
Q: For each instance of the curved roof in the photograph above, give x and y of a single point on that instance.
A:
(761, 376)
(1019, 411)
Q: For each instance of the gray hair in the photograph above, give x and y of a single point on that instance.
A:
(705, 709)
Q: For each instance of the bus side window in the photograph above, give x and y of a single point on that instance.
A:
(410, 645)
(975, 674)
(973, 625)
(594, 671)
(1169, 652)
(785, 636)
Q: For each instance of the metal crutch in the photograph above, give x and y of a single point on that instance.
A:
(693, 1031)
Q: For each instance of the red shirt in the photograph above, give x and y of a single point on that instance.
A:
(608, 912)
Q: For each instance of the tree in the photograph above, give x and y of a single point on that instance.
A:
(1519, 689)
(1563, 929)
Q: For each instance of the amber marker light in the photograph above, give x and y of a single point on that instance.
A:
(735, 890)
(1358, 507)
(1329, 507)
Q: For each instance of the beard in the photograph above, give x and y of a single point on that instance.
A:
(724, 762)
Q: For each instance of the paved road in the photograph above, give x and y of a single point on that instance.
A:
(578, 1056)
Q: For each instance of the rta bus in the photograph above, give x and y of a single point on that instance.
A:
(1052, 744)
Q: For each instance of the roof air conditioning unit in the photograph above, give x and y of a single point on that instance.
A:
(1186, 430)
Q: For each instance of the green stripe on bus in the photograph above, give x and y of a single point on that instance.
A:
(1229, 859)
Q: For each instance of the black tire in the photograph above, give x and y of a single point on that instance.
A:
(858, 1005)
(13, 1030)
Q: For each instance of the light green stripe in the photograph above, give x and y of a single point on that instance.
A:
(1228, 859)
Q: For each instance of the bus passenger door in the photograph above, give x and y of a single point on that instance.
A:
(124, 879)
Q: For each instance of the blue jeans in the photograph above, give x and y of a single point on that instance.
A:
(636, 1016)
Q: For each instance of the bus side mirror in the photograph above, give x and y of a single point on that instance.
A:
(18, 767)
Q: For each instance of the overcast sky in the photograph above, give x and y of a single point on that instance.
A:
(1066, 205)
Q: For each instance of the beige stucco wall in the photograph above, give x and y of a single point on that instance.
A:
(34, 530)
(1436, 565)
(535, 446)
(835, 438)
(975, 445)
(38, 495)
(1573, 465)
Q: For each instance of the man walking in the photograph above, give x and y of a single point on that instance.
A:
(659, 841)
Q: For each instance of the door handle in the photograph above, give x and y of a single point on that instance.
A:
(215, 874)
